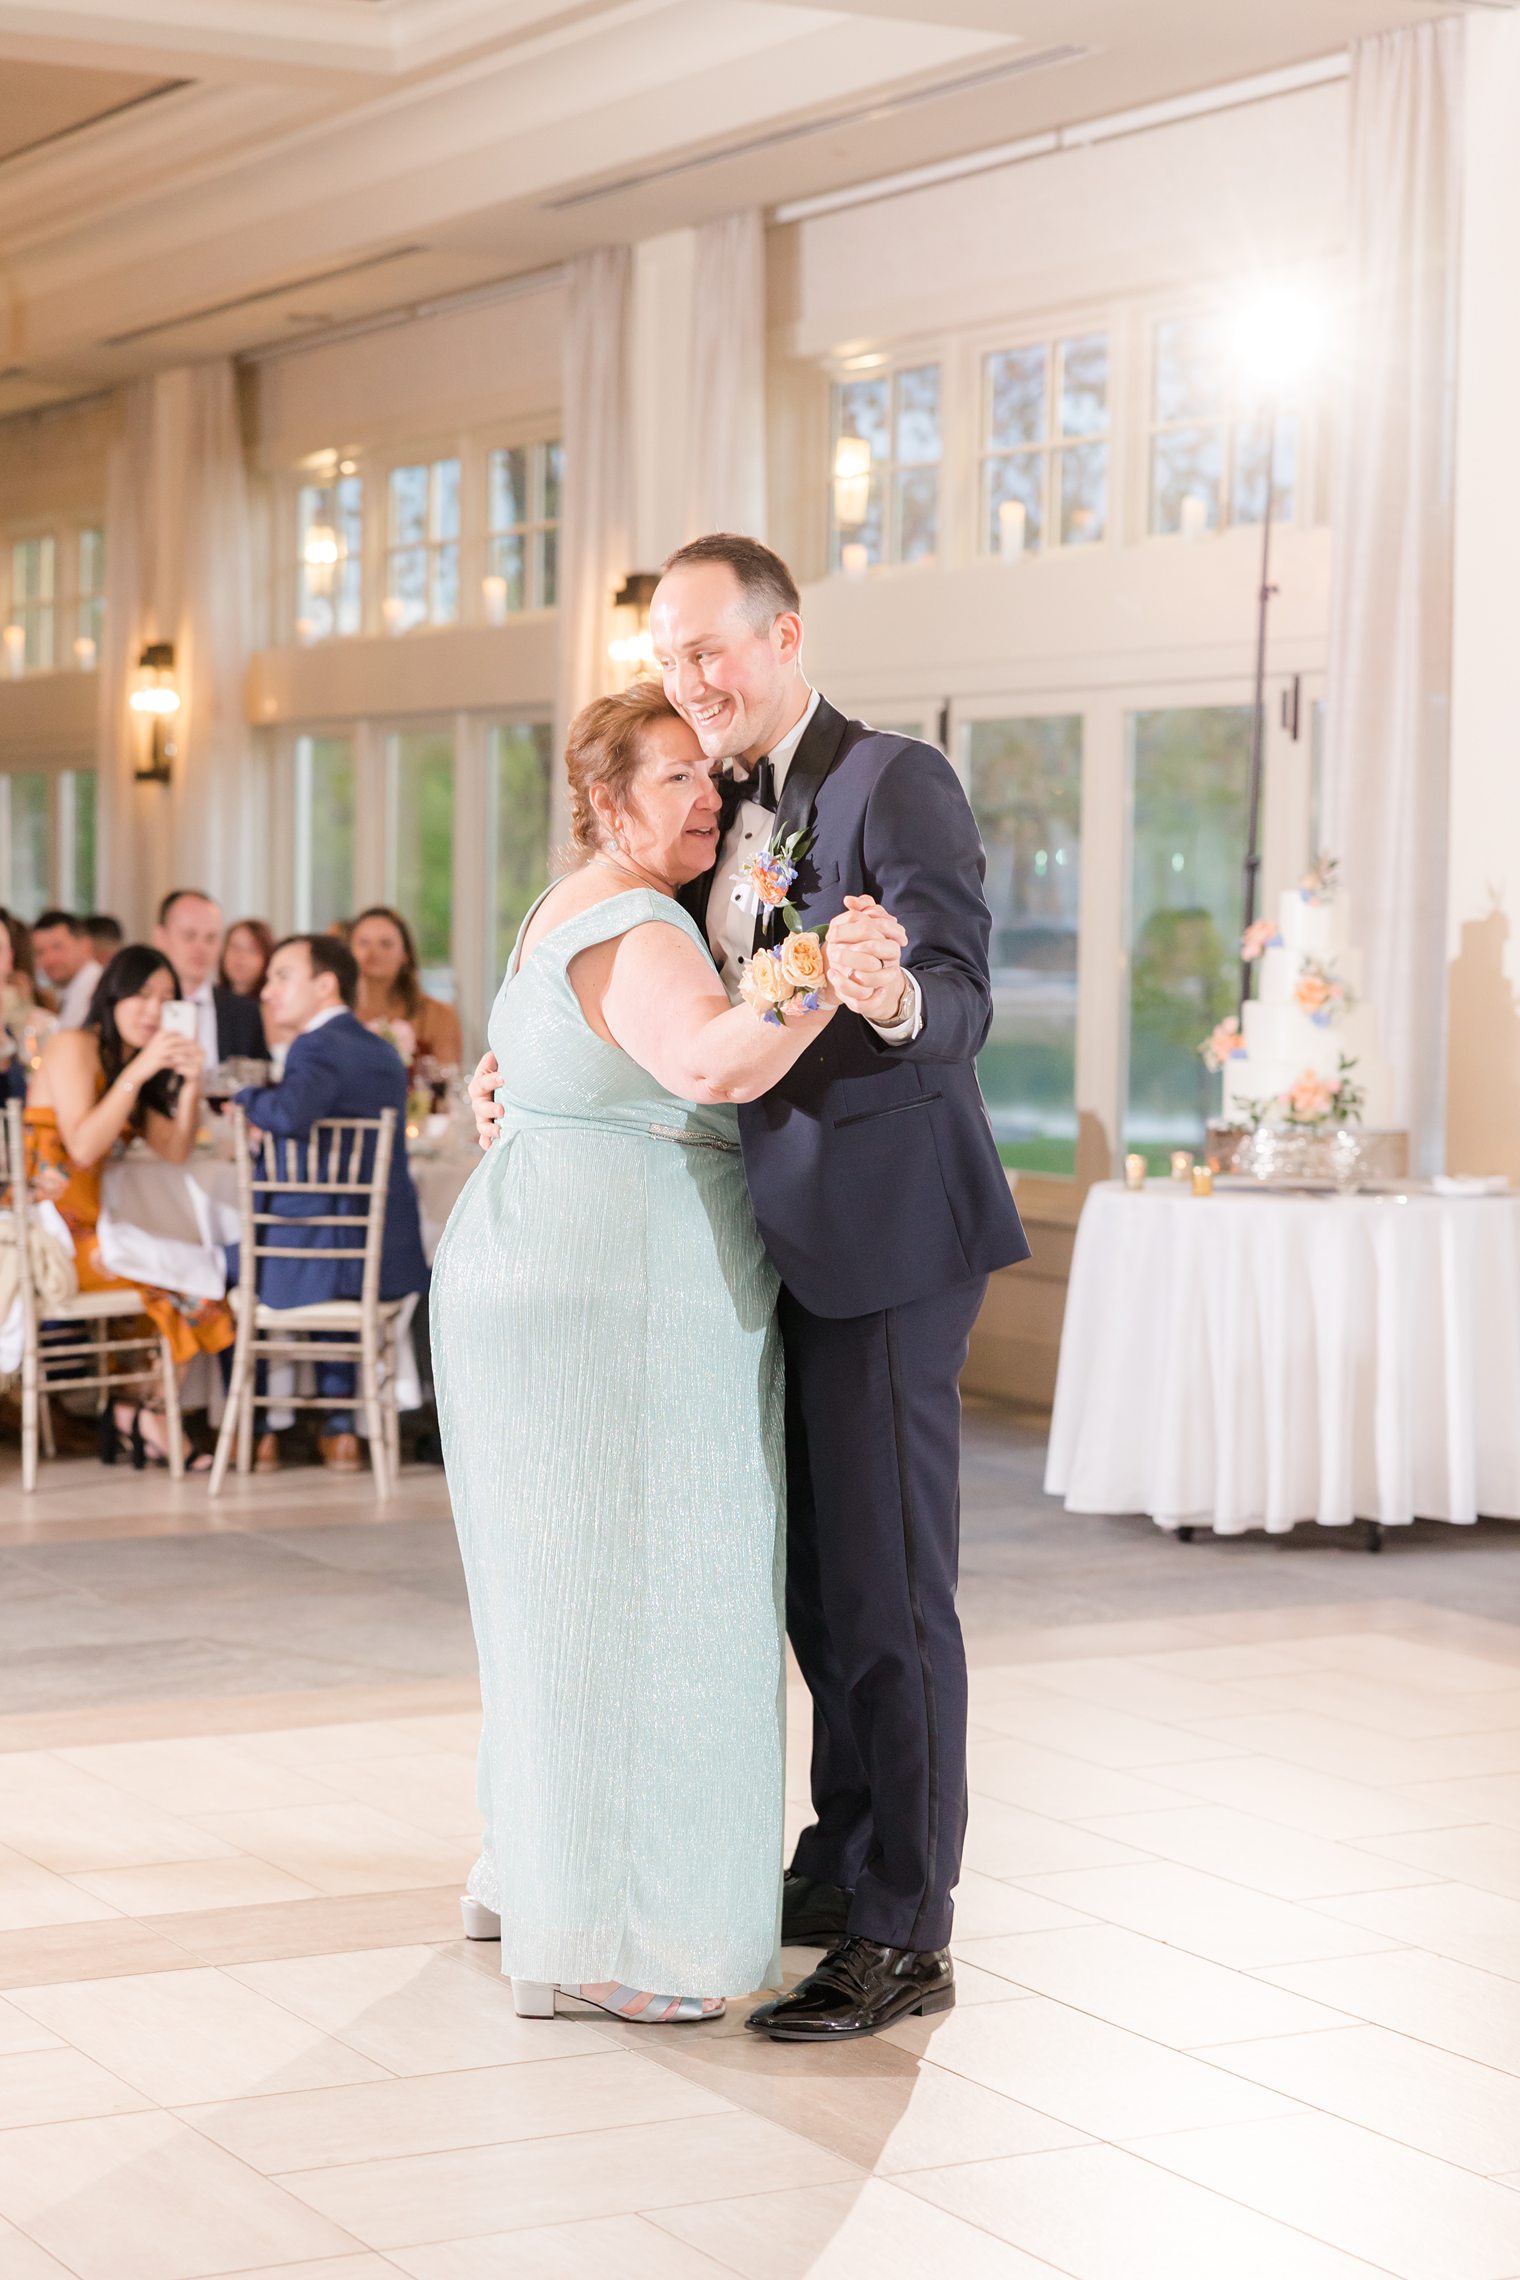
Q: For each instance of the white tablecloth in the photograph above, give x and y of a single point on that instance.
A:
(1250, 1360)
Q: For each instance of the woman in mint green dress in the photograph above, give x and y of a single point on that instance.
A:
(610, 1390)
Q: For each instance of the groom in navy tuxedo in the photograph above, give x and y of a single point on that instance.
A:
(883, 1203)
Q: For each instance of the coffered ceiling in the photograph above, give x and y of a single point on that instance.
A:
(180, 178)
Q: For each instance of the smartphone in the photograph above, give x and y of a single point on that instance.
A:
(178, 1016)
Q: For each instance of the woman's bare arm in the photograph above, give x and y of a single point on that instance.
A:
(70, 1071)
(660, 1000)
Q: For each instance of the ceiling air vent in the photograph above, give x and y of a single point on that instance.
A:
(886, 107)
(252, 300)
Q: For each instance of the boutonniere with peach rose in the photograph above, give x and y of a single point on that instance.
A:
(773, 874)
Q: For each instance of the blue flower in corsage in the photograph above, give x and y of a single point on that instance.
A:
(773, 874)
(788, 980)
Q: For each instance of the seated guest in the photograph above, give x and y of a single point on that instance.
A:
(189, 933)
(105, 933)
(391, 993)
(12, 1061)
(66, 955)
(18, 993)
(335, 1067)
(119, 1077)
(245, 957)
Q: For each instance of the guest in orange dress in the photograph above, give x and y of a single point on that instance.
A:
(120, 1077)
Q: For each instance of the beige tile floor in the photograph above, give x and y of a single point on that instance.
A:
(1239, 1942)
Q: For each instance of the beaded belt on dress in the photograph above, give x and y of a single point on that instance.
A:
(529, 1120)
(690, 1139)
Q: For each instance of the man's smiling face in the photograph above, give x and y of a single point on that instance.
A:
(732, 672)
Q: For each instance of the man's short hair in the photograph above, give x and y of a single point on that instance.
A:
(49, 918)
(328, 956)
(765, 582)
(100, 926)
(184, 894)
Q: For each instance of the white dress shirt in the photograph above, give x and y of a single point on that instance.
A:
(732, 903)
(205, 1022)
(74, 1004)
(328, 1013)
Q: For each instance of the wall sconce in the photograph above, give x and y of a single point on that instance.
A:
(493, 590)
(852, 481)
(156, 698)
(1193, 518)
(635, 649)
(14, 638)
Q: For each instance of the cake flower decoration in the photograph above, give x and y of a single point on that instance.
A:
(1223, 1042)
(1260, 935)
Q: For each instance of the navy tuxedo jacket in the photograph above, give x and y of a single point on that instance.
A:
(872, 1168)
(341, 1069)
(239, 1026)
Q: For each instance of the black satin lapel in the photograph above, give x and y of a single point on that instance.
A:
(811, 762)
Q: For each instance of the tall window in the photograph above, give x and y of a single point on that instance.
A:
(29, 634)
(28, 837)
(90, 597)
(518, 833)
(1045, 430)
(885, 503)
(1025, 781)
(422, 546)
(330, 559)
(1190, 769)
(522, 547)
(420, 847)
(78, 825)
(1209, 435)
(324, 812)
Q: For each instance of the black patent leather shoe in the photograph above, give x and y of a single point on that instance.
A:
(859, 1988)
(812, 1914)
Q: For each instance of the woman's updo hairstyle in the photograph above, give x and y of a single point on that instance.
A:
(605, 748)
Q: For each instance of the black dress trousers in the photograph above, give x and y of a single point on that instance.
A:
(873, 1538)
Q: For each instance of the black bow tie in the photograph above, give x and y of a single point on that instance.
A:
(760, 785)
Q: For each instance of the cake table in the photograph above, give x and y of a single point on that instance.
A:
(1253, 1358)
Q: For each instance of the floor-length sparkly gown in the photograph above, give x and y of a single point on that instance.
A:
(610, 1392)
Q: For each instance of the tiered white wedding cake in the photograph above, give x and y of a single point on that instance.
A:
(1306, 1050)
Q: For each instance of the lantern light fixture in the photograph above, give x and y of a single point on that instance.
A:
(156, 697)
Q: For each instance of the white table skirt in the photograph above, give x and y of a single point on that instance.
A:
(1250, 1360)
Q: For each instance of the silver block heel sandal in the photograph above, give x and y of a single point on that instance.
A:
(532, 2000)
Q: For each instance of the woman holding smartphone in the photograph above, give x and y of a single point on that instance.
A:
(133, 1071)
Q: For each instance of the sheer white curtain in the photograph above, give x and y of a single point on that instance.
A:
(726, 464)
(597, 508)
(179, 570)
(1385, 788)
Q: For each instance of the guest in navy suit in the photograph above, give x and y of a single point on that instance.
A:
(335, 1067)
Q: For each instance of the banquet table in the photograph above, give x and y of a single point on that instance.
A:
(1255, 1358)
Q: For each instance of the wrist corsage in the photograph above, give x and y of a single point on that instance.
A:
(788, 980)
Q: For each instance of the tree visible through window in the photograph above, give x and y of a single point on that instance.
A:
(1045, 429)
(1209, 435)
(522, 547)
(885, 502)
(422, 551)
